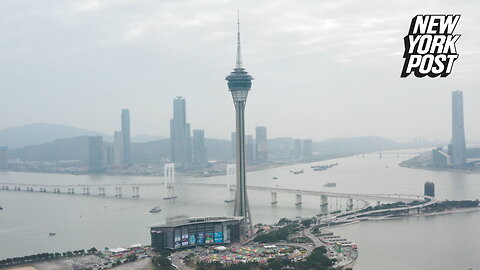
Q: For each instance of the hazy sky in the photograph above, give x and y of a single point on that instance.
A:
(322, 68)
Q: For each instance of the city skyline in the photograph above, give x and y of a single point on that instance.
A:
(162, 155)
(294, 51)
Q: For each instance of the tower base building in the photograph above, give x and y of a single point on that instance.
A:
(183, 232)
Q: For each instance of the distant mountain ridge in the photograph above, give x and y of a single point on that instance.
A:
(40, 133)
(76, 148)
(51, 142)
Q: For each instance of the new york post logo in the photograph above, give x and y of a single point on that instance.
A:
(430, 46)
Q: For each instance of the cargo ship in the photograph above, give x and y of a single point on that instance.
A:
(323, 167)
(156, 209)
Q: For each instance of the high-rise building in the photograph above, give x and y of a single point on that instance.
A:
(297, 148)
(458, 151)
(249, 149)
(95, 154)
(108, 155)
(199, 151)
(188, 138)
(261, 146)
(3, 157)
(118, 148)
(180, 139)
(307, 148)
(239, 84)
(233, 144)
(429, 189)
(126, 136)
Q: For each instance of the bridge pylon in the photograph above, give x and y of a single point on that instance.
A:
(231, 172)
(349, 204)
(135, 191)
(323, 200)
(169, 180)
(118, 192)
(274, 198)
(299, 200)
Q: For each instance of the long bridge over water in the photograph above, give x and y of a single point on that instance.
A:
(120, 190)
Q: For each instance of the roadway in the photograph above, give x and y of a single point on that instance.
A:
(307, 232)
(357, 196)
(177, 259)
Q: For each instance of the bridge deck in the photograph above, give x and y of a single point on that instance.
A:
(388, 197)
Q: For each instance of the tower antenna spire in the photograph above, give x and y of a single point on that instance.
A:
(238, 64)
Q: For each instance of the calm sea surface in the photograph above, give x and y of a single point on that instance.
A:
(437, 242)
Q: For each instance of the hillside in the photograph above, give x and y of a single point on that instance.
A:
(39, 133)
(76, 148)
(62, 149)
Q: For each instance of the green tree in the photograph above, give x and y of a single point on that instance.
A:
(163, 263)
(131, 258)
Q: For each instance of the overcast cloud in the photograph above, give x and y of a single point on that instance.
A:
(322, 68)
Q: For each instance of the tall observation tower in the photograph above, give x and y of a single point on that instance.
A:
(239, 83)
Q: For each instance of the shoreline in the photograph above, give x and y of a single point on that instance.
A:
(439, 169)
(252, 169)
(424, 160)
(447, 212)
(192, 174)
